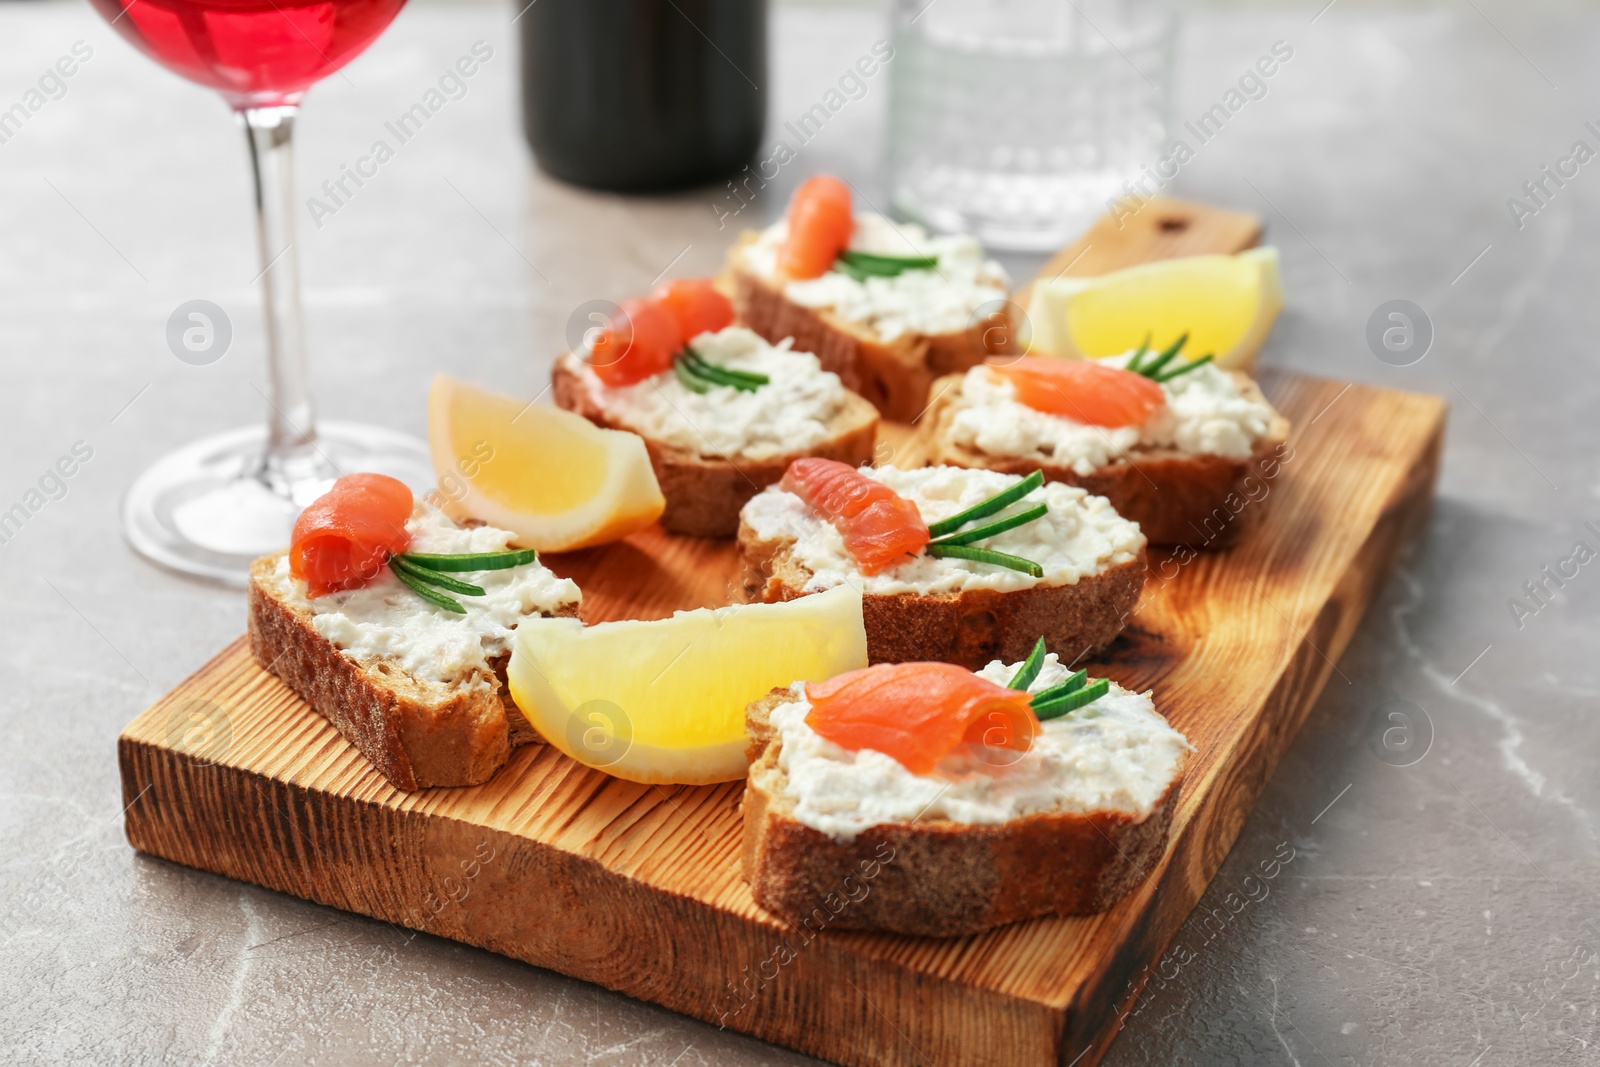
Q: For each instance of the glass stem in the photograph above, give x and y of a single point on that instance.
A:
(291, 432)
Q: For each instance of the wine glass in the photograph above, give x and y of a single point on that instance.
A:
(214, 505)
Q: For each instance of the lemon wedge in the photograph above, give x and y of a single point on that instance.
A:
(664, 701)
(553, 478)
(1227, 304)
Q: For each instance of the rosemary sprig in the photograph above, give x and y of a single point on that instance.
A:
(1030, 668)
(472, 561)
(692, 364)
(1038, 511)
(985, 555)
(862, 265)
(998, 502)
(1054, 709)
(422, 589)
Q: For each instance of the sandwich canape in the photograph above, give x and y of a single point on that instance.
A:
(887, 306)
(927, 799)
(396, 625)
(953, 564)
(1170, 442)
(722, 412)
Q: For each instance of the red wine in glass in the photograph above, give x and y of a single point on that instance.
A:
(214, 505)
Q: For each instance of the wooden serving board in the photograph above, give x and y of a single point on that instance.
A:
(1162, 228)
(638, 888)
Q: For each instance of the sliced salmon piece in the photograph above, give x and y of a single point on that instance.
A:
(1083, 390)
(696, 306)
(879, 526)
(917, 713)
(346, 535)
(640, 343)
(646, 335)
(821, 221)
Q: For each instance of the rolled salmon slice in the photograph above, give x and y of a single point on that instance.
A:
(344, 537)
(918, 713)
(821, 221)
(1083, 390)
(879, 526)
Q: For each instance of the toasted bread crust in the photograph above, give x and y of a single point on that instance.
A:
(968, 628)
(416, 734)
(895, 376)
(703, 494)
(936, 878)
(1176, 498)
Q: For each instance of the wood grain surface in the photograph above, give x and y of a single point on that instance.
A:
(1160, 228)
(638, 888)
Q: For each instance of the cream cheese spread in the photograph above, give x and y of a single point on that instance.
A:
(1206, 413)
(385, 621)
(1116, 754)
(1080, 537)
(937, 301)
(794, 411)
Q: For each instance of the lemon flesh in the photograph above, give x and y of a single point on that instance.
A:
(551, 477)
(664, 701)
(1227, 305)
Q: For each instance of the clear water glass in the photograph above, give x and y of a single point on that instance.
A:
(1018, 120)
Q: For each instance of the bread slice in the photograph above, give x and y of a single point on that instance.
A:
(894, 375)
(970, 627)
(704, 493)
(417, 733)
(1175, 497)
(935, 877)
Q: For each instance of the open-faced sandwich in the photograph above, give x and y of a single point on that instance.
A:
(722, 412)
(886, 306)
(953, 564)
(935, 801)
(396, 625)
(1165, 439)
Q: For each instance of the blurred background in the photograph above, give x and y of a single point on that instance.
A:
(1416, 925)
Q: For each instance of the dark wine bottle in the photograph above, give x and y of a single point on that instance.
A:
(643, 95)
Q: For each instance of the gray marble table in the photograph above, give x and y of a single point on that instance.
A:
(1438, 913)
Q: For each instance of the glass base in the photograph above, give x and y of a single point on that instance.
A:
(1013, 212)
(212, 507)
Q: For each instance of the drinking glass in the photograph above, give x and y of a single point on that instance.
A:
(214, 505)
(1018, 120)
